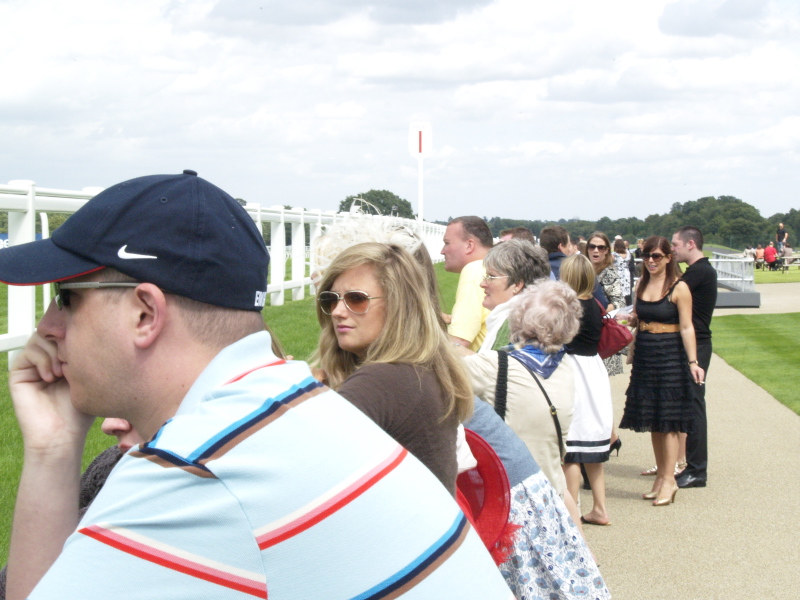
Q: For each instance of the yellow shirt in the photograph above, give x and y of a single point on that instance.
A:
(469, 316)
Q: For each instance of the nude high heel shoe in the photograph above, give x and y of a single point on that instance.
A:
(666, 501)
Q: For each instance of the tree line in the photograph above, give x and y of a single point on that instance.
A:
(724, 220)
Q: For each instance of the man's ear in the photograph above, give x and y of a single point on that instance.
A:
(471, 245)
(151, 314)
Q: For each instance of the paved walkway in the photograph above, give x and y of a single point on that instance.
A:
(737, 538)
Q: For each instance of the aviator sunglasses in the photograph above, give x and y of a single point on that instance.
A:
(601, 247)
(357, 302)
(61, 291)
(656, 256)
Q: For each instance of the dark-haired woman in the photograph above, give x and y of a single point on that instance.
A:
(664, 364)
(598, 250)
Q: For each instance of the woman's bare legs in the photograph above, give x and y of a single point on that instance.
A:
(657, 440)
(599, 512)
(666, 458)
(572, 508)
(682, 449)
(572, 472)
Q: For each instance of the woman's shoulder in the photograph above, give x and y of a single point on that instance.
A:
(590, 306)
(381, 385)
(679, 289)
(381, 370)
(385, 367)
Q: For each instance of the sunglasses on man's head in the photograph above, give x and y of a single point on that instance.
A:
(600, 247)
(61, 291)
(357, 302)
(656, 256)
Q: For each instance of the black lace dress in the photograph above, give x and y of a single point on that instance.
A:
(659, 395)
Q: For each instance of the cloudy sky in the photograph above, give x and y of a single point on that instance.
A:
(539, 110)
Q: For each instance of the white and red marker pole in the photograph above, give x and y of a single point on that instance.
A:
(420, 144)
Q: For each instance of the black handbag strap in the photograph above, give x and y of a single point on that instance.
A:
(501, 389)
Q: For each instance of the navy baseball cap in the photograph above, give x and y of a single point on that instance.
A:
(179, 232)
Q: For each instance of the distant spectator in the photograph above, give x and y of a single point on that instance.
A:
(622, 262)
(522, 233)
(770, 256)
(787, 254)
(637, 255)
(759, 257)
(638, 252)
(555, 239)
(781, 236)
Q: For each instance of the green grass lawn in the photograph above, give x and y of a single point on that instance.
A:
(765, 349)
(790, 276)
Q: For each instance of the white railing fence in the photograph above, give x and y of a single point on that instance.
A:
(23, 200)
(734, 272)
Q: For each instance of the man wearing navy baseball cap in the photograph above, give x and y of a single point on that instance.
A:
(255, 478)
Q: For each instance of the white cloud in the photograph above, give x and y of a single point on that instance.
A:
(539, 110)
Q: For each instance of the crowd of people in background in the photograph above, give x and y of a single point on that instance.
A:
(450, 447)
(773, 255)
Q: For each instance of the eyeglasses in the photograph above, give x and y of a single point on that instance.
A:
(61, 291)
(601, 247)
(656, 256)
(488, 278)
(356, 302)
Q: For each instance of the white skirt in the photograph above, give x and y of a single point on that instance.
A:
(589, 435)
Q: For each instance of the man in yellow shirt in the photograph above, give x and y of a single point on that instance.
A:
(466, 242)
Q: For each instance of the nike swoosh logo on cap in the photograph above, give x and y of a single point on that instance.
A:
(122, 253)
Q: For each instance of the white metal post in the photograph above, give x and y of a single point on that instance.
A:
(419, 188)
(45, 234)
(22, 299)
(299, 255)
(277, 258)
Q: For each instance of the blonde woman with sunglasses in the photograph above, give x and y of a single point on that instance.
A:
(382, 348)
(665, 366)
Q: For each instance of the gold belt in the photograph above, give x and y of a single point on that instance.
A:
(656, 327)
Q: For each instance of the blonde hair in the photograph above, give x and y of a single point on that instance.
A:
(411, 332)
(578, 273)
(546, 315)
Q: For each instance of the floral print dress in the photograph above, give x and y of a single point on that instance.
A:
(609, 279)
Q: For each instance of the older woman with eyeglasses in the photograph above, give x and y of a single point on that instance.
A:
(510, 267)
(665, 367)
(382, 348)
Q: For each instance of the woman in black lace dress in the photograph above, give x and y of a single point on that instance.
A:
(664, 363)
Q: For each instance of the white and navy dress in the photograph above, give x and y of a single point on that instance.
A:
(590, 431)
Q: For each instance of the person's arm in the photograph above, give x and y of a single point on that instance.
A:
(482, 369)
(53, 434)
(459, 341)
(600, 295)
(683, 299)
